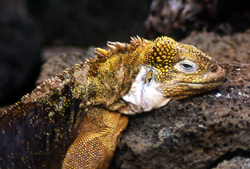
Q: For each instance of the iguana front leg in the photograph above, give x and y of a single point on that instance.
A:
(95, 144)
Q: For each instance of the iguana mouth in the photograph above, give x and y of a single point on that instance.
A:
(210, 83)
(206, 83)
(202, 85)
(184, 89)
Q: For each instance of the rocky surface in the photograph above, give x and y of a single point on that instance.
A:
(182, 18)
(199, 132)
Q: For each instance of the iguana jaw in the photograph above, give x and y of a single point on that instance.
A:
(189, 89)
(181, 88)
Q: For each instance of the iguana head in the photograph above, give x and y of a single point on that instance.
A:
(172, 70)
(182, 70)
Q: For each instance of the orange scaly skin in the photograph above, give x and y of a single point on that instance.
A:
(75, 119)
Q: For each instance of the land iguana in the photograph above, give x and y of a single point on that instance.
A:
(75, 119)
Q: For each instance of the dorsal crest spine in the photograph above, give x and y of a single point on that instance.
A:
(122, 47)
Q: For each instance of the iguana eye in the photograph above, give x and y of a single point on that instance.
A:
(149, 77)
(186, 66)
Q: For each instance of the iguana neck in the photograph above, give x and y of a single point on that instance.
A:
(108, 81)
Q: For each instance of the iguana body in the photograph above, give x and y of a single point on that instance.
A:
(75, 119)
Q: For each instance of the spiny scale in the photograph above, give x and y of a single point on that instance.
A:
(118, 46)
(78, 66)
(115, 47)
(101, 53)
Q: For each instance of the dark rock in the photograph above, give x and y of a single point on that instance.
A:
(198, 132)
(181, 18)
(20, 46)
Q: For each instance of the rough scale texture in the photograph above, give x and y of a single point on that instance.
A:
(76, 119)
